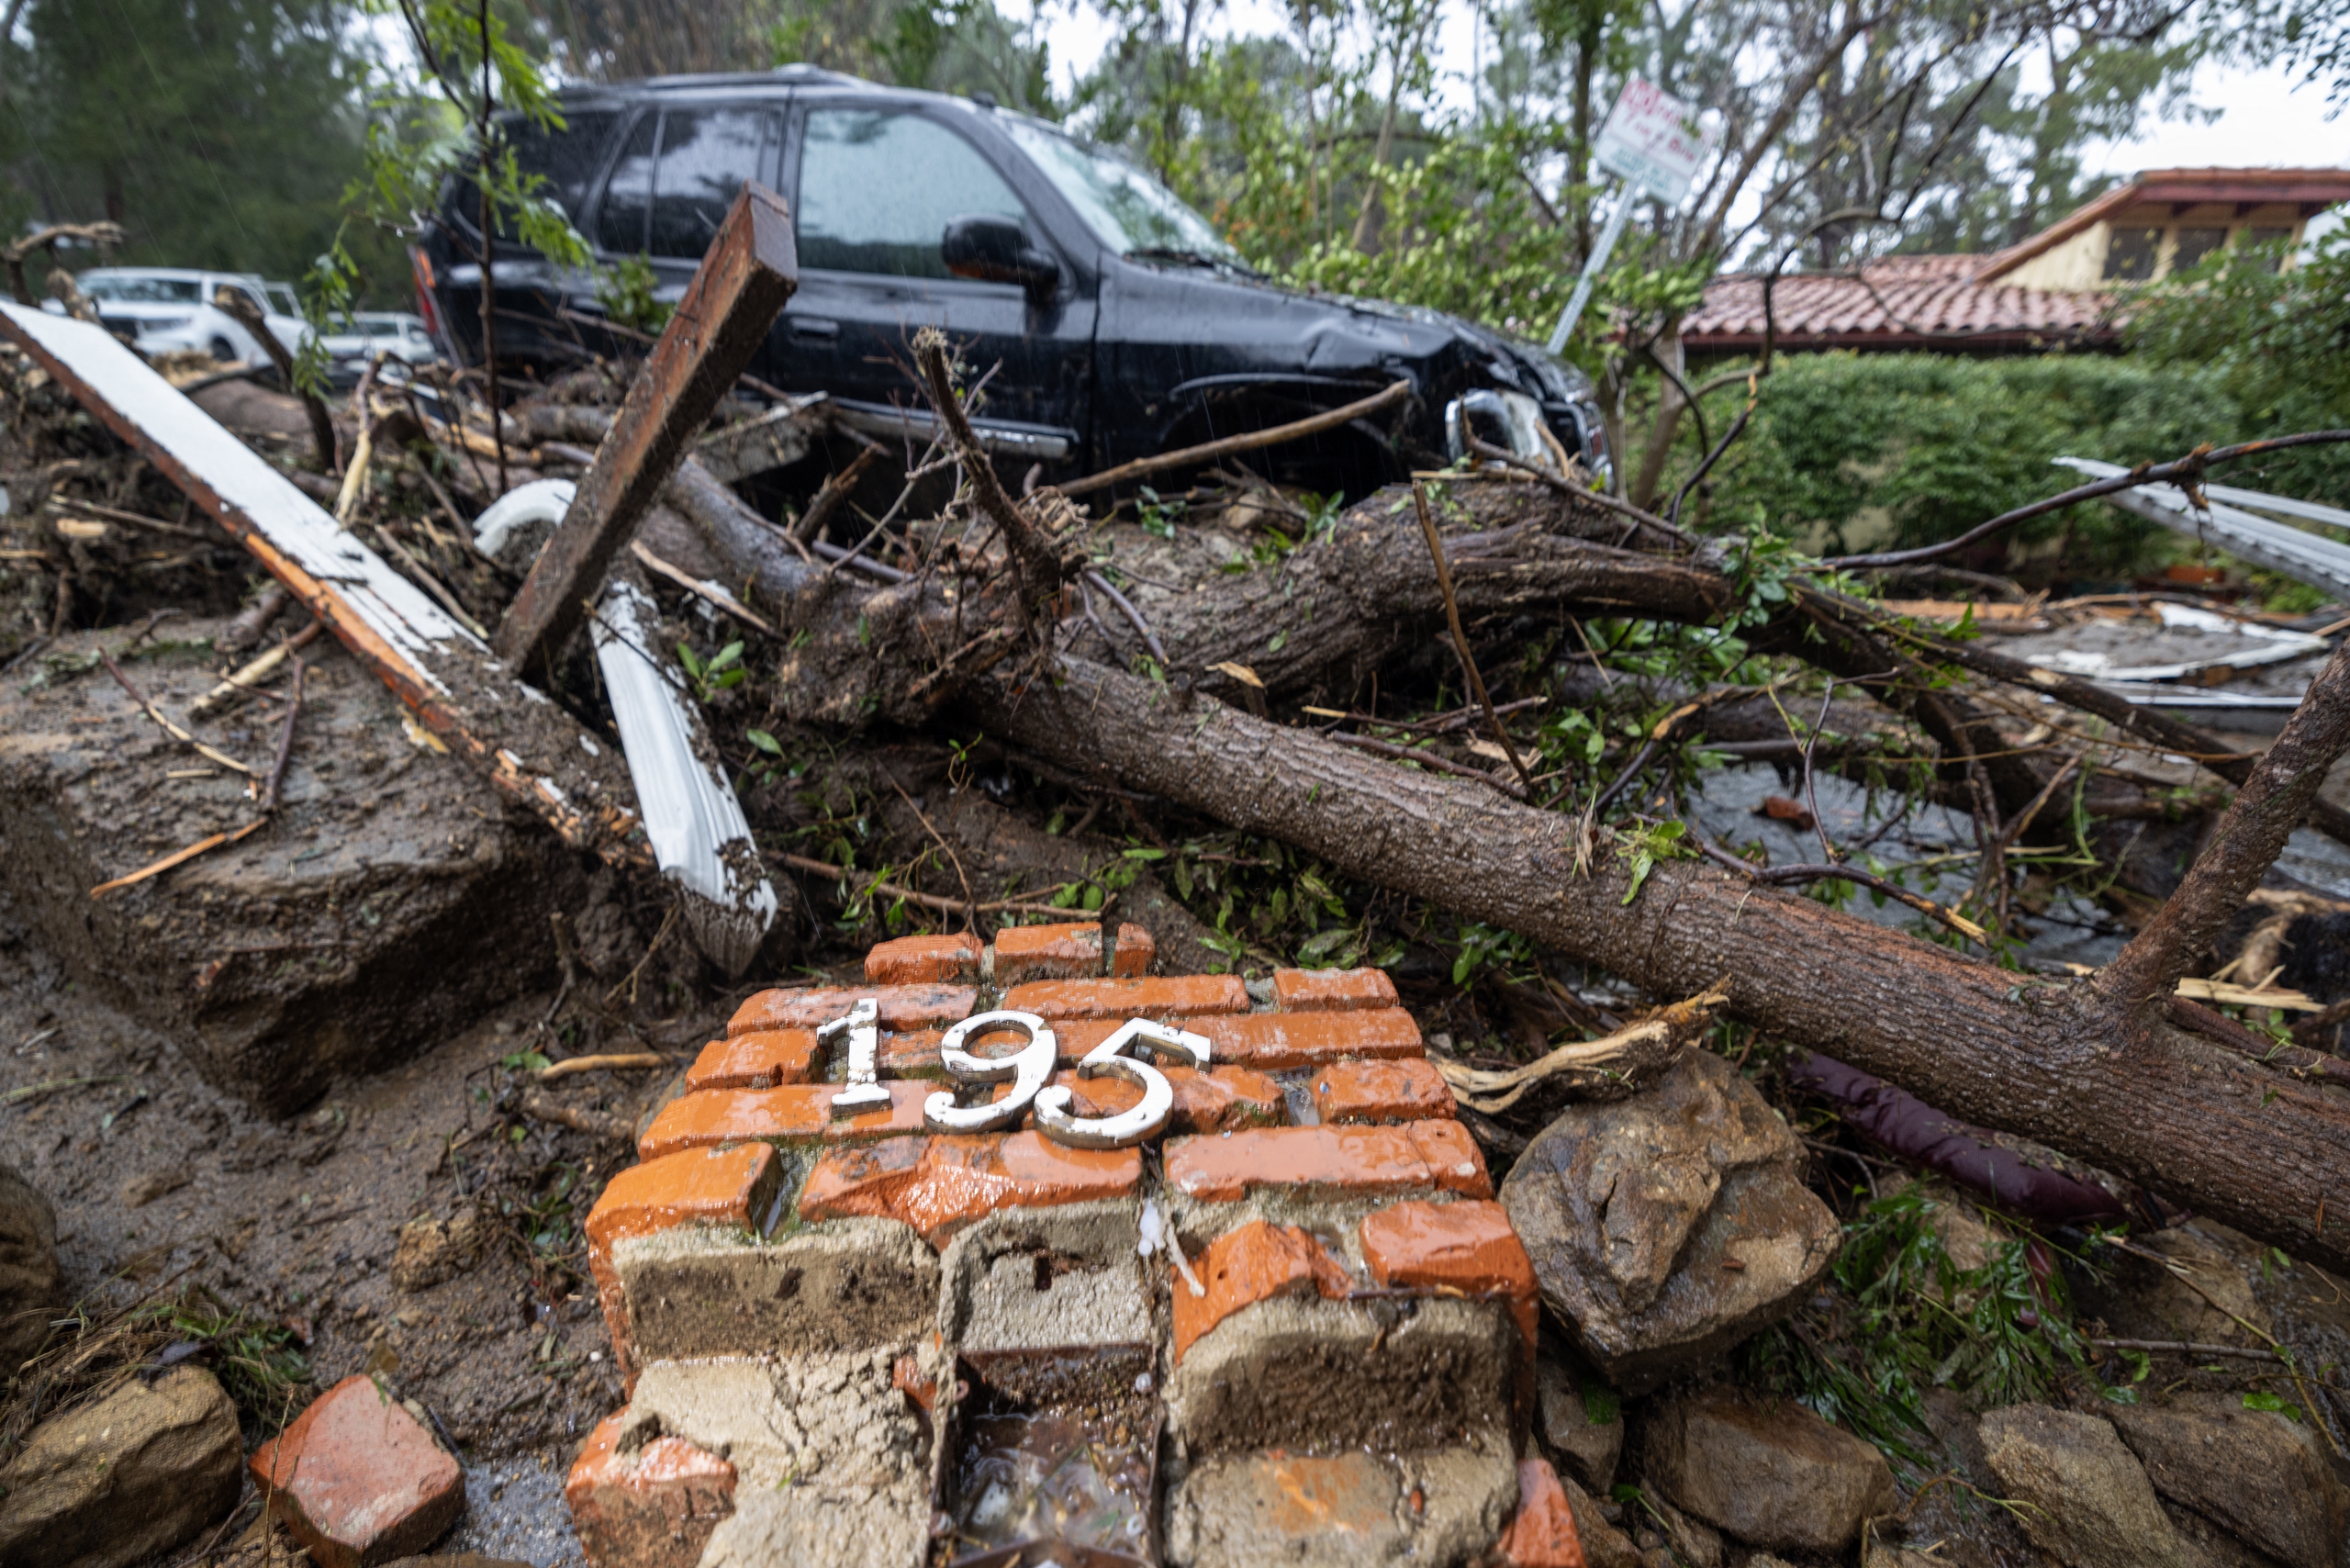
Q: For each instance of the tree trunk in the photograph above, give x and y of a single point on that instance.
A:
(2065, 1063)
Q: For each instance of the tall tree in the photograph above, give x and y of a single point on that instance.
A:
(217, 132)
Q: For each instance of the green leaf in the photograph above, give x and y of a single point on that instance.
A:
(764, 742)
(1144, 854)
(2261, 1399)
(1601, 1405)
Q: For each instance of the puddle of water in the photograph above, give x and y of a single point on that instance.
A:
(514, 1509)
(1055, 1447)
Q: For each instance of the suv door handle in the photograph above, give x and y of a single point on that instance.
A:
(813, 327)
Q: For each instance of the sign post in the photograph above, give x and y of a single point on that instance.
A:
(1653, 141)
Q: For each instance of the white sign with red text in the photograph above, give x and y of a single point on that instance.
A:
(1653, 140)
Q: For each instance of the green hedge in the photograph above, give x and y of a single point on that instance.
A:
(1843, 444)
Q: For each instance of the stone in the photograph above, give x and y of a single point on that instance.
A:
(432, 1250)
(395, 901)
(2090, 1504)
(33, 1287)
(643, 1499)
(1341, 1511)
(1693, 1542)
(458, 1560)
(1312, 1375)
(358, 1479)
(1668, 1227)
(1423, 1157)
(2266, 1477)
(1604, 1546)
(1772, 1474)
(140, 1191)
(135, 1475)
(1588, 1449)
(1542, 1534)
(1883, 1556)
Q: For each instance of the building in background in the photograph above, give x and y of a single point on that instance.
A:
(2056, 287)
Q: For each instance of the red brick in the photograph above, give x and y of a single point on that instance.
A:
(358, 1479)
(794, 1113)
(1205, 1101)
(902, 1007)
(914, 1054)
(1047, 952)
(1464, 1247)
(1137, 951)
(1542, 1534)
(1273, 1042)
(1257, 1262)
(939, 1185)
(924, 960)
(759, 1060)
(1414, 1156)
(1405, 1091)
(1332, 990)
(1154, 997)
(650, 1507)
(704, 1187)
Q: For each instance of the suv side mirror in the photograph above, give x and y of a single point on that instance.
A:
(996, 250)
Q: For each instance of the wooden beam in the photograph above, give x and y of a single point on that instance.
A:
(530, 749)
(748, 272)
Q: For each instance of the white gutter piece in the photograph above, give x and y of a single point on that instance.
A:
(2278, 547)
(700, 839)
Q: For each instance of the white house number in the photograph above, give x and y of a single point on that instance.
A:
(1030, 1070)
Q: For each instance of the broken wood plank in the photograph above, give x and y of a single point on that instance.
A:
(748, 272)
(531, 749)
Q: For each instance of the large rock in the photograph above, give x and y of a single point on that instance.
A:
(2265, 1478)
(31, 1286)
(1772, 1474)
(134, 1476)
(2087, 1502)
(1667, 1228)
(393, 900)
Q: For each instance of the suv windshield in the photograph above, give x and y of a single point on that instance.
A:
(1127, 210)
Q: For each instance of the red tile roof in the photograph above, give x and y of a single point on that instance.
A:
(1957, 302)
(1927, 302)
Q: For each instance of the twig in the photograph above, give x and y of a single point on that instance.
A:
(829, 497)
(1425, 759)
(1032, 556)
(433, 584)
(169, 728)
(624, 1061)
(597, 1124)
(2181, 470)
(710, 591)
(969, 898)
(2187, 1348)
(1208, 452)
(1149, 638)
(1460, 637)
(1712, 457)
(275, 787)
(1640, 518)
(180, 857)
(928, 900)
(247, 677)
(1789, 876)
(52, 1085)
(136, 519)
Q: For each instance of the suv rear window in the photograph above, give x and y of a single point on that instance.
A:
(672, 205)
(143, 290)
(564, 160)
(877, 189)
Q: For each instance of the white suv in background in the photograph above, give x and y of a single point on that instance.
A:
(161, 308)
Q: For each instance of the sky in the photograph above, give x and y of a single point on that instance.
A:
(2263, 119)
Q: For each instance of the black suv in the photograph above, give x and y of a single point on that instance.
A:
(1110, 319)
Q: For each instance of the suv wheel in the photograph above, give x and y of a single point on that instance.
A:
(219, 349)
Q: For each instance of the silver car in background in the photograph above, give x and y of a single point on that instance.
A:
(160, 309)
